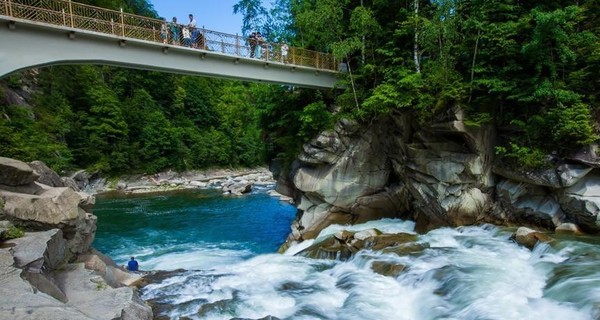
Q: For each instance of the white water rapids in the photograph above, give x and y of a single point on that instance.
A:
(466, 273)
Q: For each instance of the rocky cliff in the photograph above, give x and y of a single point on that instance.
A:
(51, 272)
(445, 174)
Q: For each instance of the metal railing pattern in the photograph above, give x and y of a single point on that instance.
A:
(124, 25)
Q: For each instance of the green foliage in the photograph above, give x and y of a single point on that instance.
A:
(24, 138)
(571, 125)
(13, 232)
(13, 81)
(314, 118)
(524, 157)
(479, 119)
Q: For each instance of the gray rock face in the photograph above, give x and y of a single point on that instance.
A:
(528, 203)
(20, 300)
(52, 207)
(16, 173)
(41, 285)
(47, 175)
(582, 202)
(441, 174)
(36, 279)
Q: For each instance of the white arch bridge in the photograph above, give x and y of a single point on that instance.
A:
(36, 33)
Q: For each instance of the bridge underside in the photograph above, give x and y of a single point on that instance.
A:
(28, 44)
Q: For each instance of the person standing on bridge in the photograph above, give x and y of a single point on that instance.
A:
(252, 42)
(164, 31)
(259, 43)
(284, 52)
(193, 30)
(174, 28)
(187, 36)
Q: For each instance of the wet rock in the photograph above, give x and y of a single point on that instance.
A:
(344, 244)
(387, 269)
(365, 234)
(389, 203)
(391, 240)
(529, 238)
(343, 235)
(567, 228)
(530, 204)
(411, 248)
(16, 173)
(330, 248)
(263, 318)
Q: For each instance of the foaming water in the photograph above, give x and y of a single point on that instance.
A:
(464, 273)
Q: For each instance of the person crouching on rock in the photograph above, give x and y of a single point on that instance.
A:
(133, 265)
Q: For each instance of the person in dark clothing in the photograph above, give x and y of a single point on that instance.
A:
(252, 41)
(133, 265)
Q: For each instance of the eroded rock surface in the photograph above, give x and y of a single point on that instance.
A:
(442, 174)
(38, 276)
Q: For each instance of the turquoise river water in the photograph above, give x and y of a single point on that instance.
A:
(227, 247)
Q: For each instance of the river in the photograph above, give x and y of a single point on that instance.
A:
(226, 246)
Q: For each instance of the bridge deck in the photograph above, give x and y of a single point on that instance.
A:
(68, 32)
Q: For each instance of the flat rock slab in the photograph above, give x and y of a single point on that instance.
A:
(20, 302)
(92, 296)
(15, 173)
(37, 248)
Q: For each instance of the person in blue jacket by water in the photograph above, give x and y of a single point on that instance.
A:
(133, 265)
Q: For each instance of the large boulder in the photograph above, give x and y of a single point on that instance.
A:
(361, 170)
(529, 238)
(38, 254)
(344, 244)
(92, 295)
(530, 204)
(37, 283)
(50, 208)
(582, 202)
(21, 301)
(16, 173)
(55, 206)
(46, 175)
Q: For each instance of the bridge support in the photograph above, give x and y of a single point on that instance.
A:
(27, 44)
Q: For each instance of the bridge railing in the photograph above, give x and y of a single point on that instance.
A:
(124, 25)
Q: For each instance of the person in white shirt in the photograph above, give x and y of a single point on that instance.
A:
(284, 52)
(193, 30)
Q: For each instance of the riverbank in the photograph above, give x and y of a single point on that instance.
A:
(229, 181)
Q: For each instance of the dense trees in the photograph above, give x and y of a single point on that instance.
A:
(530, 67)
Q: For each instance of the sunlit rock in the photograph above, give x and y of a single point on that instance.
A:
(15, 173)
(567, 228)
(529, 238)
